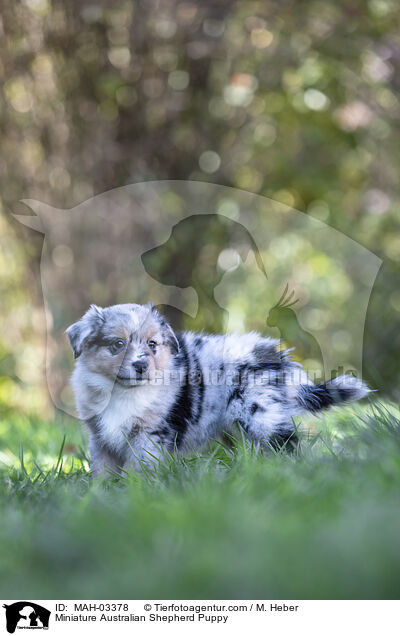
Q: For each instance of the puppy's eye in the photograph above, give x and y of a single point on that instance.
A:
(152, 344)
(117, 346)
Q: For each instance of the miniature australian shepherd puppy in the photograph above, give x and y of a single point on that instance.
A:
(143, 390)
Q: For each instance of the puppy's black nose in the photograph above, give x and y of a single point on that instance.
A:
(140, 366)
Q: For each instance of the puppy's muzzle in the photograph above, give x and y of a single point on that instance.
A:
(140, 366)
(135, 373)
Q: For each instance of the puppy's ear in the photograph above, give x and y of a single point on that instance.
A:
(81, 330)
(171, 338)
(168, 333)
(77, 333)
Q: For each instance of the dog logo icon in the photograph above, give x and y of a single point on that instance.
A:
(26, 615)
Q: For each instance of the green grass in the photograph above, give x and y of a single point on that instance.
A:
(321, 523)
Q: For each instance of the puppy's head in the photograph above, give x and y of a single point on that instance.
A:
(125, 343)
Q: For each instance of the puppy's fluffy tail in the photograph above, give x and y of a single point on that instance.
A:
(344, 388)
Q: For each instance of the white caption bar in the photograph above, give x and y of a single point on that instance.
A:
(171, 617)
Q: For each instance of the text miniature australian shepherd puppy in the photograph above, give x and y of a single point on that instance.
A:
(142, 389)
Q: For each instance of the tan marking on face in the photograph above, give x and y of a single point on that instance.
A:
(162, 357)
(136, 332)
(153, 334)
(100, 360)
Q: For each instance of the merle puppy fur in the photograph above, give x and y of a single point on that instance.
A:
(143, 390)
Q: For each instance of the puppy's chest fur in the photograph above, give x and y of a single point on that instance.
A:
(127, 414)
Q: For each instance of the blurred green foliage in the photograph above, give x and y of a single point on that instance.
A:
(297, 101)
